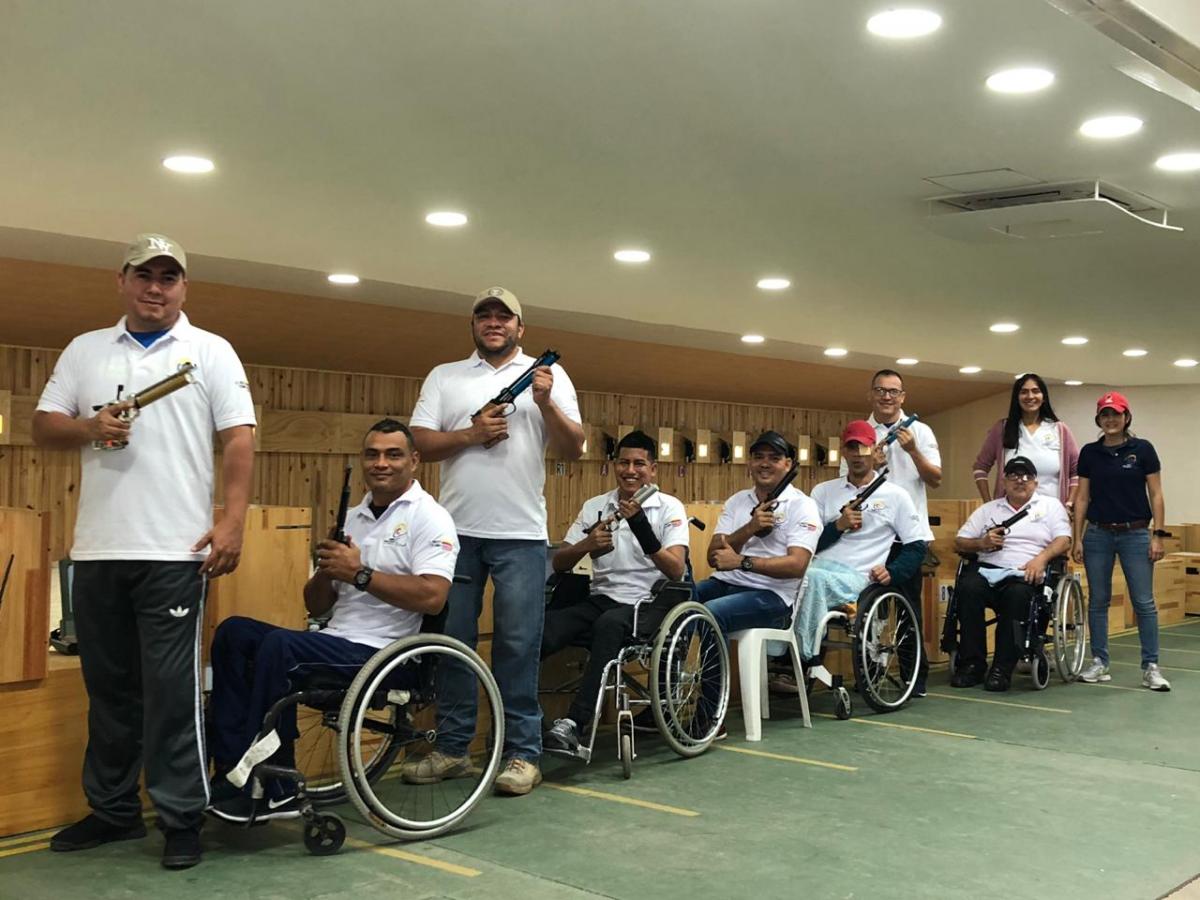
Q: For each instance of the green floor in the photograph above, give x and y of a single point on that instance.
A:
(1078, 791)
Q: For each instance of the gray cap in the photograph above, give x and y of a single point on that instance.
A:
(146, 247)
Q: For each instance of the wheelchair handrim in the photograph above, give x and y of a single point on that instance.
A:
(866, 652)
(1070, 630)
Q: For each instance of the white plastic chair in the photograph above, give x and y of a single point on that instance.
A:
(752, 661)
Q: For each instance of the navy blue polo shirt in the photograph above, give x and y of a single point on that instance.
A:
(1117, 480)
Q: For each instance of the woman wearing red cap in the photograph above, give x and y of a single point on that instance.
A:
(1032, 430)
(1120, 494)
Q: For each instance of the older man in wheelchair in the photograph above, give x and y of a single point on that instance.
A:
(1008, 545)
(633, 545)
(395, 566)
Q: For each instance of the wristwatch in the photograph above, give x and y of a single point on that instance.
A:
(747, 564)
(363, 577)
(1159, 532)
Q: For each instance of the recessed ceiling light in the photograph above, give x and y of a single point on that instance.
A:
(1075, 341)
(1111, 127)
(1004, 327)
(446, 219)
(907, 361)
(752, 338)
(836, 351)
(1020, 81)
(191, 165)
(774, 284)
(1185, 363)
(1179, 162)
(904, 23)
(970, 370)
(1073, 383)
(631, 256)
(1135, 351)
(343, 278)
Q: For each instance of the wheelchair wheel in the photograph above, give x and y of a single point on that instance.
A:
(625, 749)
(887, 650)
(324, 835)
(1070, 629)
(1039, 670)
(317, 754)
(689, 678)
(844, 707)
(390, 804)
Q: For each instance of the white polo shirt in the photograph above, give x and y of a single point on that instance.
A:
(494, 493)
(902, 471)
(153, 499)
(1043, 448)
(797, 524)
(413, 536)
(888, 515)
(1046, 521)
(627, 574)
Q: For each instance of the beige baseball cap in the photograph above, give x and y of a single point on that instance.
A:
(503, 295)
(146, 247)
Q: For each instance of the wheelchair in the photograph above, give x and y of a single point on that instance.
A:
(684, 664)
(881, 631)
(1056, 617)
(354, 735)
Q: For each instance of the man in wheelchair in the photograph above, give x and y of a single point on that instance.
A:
(632, 547)
(858, 537)
(396, 565)
(1008, 570)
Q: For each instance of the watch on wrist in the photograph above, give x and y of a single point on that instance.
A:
(1159, 532)
(747, 564)
(363, 577)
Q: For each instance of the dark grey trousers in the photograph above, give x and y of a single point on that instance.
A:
(139, 625)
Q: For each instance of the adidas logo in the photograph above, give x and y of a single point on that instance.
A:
(178, 612)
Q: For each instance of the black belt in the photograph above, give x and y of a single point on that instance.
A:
(1123, 526)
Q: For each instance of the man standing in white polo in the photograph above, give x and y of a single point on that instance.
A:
(145, 544)
(914, 462)
(492, 475)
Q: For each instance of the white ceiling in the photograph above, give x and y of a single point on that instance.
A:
(732, 139)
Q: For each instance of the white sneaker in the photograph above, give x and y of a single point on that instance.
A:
(1152, 678)
(1097, 671)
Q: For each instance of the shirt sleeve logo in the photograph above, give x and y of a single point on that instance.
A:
(443, 543)
(675, 523)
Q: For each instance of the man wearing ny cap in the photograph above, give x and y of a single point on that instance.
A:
(1009, 567)
(492, 474)
(757, 576)
(145, 543)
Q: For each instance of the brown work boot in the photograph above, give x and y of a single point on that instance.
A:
(519, 777)
(435, 767)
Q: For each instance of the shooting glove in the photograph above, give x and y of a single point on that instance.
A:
(644, 532)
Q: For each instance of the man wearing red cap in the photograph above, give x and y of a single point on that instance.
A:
(855, 544)
(1120, 499)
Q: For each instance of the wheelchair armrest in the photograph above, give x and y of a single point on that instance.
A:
(1057, 567)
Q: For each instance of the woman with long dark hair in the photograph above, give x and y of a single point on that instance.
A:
(1031, 429)
(1120, 496)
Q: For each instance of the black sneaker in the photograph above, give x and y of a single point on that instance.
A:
(285, 807)
(563, 737)
(93, 831)
(919, 688)
(997, 680)
(967, 676)
(237, 808)
(182, 848)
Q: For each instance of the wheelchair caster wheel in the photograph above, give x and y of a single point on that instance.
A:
(324, 835)
(626, 756)
(844, 706)
(1039, 668)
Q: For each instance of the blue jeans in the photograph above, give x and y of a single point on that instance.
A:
(1100, 550)
(518, 572)
(737, 608)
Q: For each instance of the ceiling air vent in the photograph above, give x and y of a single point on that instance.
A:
(1037, 212)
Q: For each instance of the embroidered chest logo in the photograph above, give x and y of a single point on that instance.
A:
(399, 533)
(1130, 461)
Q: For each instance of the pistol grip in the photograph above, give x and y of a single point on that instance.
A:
(763, 532)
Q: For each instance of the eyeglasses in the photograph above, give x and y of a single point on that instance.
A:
(1018, 477)
(892, 393)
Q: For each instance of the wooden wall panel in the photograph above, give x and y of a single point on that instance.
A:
(48, 480)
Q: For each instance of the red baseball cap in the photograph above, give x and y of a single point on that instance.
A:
(1112, 400)
(859, 431)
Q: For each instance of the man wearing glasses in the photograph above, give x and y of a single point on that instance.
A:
(1010, 566)
(913, 462)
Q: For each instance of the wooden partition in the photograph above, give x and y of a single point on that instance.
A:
(24, 594)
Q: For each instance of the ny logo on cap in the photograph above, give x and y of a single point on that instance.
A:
(157, 243)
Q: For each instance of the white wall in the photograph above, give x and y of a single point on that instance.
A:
(1166, 415)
